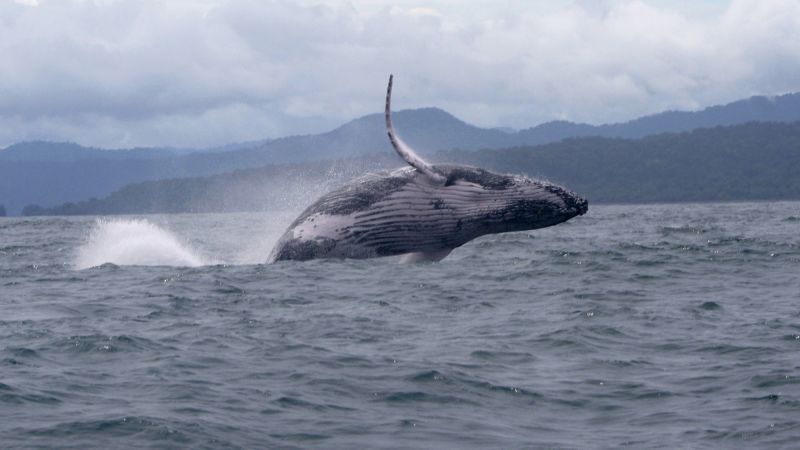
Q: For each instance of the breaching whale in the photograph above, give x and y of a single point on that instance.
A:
(422, 211)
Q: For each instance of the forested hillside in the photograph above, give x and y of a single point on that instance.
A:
(53, 173)
(755, 161)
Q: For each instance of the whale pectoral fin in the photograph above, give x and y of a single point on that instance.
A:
(403, 149)
(419, 257)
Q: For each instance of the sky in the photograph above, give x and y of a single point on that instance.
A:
(199, 73)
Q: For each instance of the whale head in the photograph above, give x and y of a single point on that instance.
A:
(490, 202)
(496, 203)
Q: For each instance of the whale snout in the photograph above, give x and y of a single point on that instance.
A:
(574, 204)
(582, 205)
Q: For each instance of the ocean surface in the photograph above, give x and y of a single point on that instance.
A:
(657, 326)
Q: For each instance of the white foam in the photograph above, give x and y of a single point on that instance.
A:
(135, 242)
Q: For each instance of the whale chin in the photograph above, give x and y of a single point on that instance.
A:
(584, 207)
(579, 205)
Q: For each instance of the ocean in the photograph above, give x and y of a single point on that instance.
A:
(638, 326)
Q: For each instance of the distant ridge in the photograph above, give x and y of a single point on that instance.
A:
(44, 151)
(48, 174)
(753, 161)
(431, 129)
(781, 108)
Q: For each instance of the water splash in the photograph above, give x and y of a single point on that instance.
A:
(135, 242)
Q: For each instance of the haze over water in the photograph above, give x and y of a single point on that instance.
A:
(656, 326)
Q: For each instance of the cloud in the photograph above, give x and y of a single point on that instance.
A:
(195, 73)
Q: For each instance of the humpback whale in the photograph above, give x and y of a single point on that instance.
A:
(421, 211)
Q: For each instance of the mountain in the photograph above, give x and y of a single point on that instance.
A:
(754, 161)
(51, 173)
(41, 151)
(273, 187)
(79, 173)
(425, 128)
(44, 151)
(782, 108)
(433, 129)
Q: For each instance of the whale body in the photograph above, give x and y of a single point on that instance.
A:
(422, 211)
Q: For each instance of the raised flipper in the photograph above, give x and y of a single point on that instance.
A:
(406, 152)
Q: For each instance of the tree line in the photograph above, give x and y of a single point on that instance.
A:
(754, 161)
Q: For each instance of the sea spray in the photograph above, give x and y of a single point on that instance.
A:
(135, 242)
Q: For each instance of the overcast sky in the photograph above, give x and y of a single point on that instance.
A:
(200, 73)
